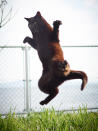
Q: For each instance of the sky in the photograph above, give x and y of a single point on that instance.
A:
(79, 27)
(79, 20)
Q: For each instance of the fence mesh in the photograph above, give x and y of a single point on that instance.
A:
(20, 94)
(11, 80)
(70, 96)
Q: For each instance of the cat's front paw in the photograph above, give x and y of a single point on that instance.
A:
(57, 23)
(26, 39)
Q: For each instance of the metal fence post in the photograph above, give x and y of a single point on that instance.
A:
(27, 81)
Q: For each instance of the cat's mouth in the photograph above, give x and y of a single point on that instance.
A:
(32, 25)
(34, 28)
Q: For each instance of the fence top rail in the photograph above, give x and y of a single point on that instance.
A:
(70, 46)
(80, 46)
(12, 46)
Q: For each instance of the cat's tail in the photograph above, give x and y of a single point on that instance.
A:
(78, 75)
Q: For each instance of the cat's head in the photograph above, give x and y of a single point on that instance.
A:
(33, 22)
(37, 23)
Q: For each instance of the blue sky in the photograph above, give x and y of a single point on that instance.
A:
(79, 18)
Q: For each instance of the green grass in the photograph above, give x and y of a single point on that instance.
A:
(50, 120)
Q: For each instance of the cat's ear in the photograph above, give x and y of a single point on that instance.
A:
(28, 19)
(38, 13)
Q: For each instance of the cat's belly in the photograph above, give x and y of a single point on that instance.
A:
(45, 53)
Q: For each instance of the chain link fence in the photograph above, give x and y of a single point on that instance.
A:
(12, 79)
(20, 70)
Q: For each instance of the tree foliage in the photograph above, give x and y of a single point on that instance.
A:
(4, 17)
